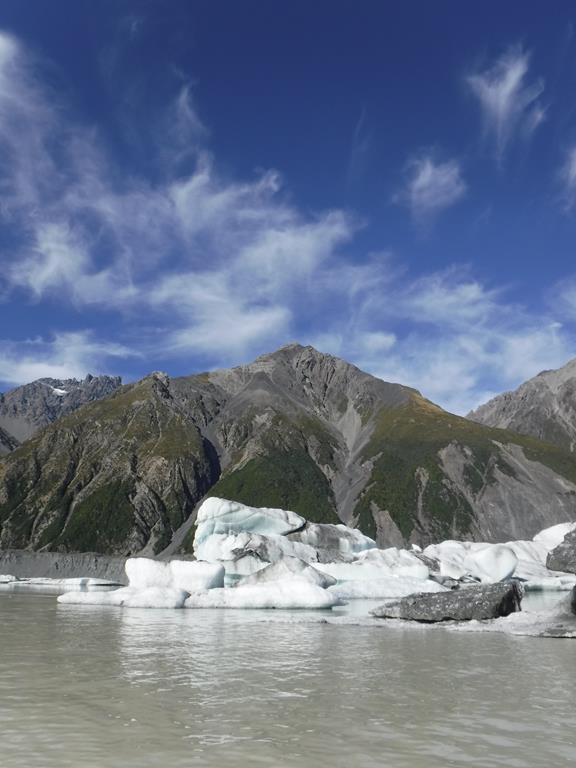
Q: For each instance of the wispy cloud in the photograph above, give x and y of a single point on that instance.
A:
(214, 261)
(64, 356)
(509, 102)
(568, 179)
(200, 267)
(430, 187)
(359, 150)
(457, 340)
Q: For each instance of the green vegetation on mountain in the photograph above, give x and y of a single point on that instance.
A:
(297, 430)
(408, 475)
(282, 480)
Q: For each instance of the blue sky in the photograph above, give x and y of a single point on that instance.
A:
(186, 185)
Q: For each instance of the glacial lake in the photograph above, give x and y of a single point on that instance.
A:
(102, 687)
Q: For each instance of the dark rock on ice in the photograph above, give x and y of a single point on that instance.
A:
(485, 601)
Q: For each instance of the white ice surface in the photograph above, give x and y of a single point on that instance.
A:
(400, 562)
(143, 572)
(289, 568)
(489, 563)
(194, 575)
(392, 586)
(492, 563)
(220, 516)
(255, 549)
(189, 575)
(128, 597)
(551, 537)
(293, 594)
(339, 538)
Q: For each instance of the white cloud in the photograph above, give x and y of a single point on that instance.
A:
(568, 178)
(199, 265)
(431, 187)
(448, 299)
(509, 103)
(65, 356)
(214, 260)
(453, 338)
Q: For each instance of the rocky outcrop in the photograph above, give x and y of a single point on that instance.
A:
(296, 430)
(26, 409)
(7, 442)
(477, 602)
(563, 557)
(543, 407)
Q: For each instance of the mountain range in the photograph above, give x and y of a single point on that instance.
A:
(295, 429)
(543, 407)
(26, 409)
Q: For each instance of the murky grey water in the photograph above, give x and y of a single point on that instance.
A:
(102, 687)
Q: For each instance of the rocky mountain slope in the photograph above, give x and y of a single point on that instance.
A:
(26, 409)
(7, 442)
(296, 429)
(543, 407)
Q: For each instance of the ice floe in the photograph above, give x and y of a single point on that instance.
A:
(187, 575)
(286, 594)
(551, 537)
(220, 516)
(289, 568)
(382, 588)
(129, 597)
(271, 558)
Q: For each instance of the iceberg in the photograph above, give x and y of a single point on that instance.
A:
(287, 594)
(220, 516)
(276, 559)
(491, 564)
(129, 597)
(153, 584)
(334, 538)
(488, 563)
(289, 568)
(189, 575)
(401, 562)
(194, 575)
(246, 553)
(246, 539)
(390, 587)
(551, 537)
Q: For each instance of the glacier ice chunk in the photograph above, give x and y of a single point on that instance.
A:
(245, 553)
(128, 597)
(335, 538)
(492, 563)
(389, 587)
(195, 575)
(220, 516)
(286, 594)
(551, 537)
(289, 568)
(143, 572)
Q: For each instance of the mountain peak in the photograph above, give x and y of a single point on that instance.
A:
(543, 407)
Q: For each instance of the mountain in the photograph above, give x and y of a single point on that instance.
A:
(295, 429)
(7, 442)
(26, 409)
(543, 407)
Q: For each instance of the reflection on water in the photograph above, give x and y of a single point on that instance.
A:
(89, 686)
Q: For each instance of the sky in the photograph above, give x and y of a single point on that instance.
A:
(185, 185)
